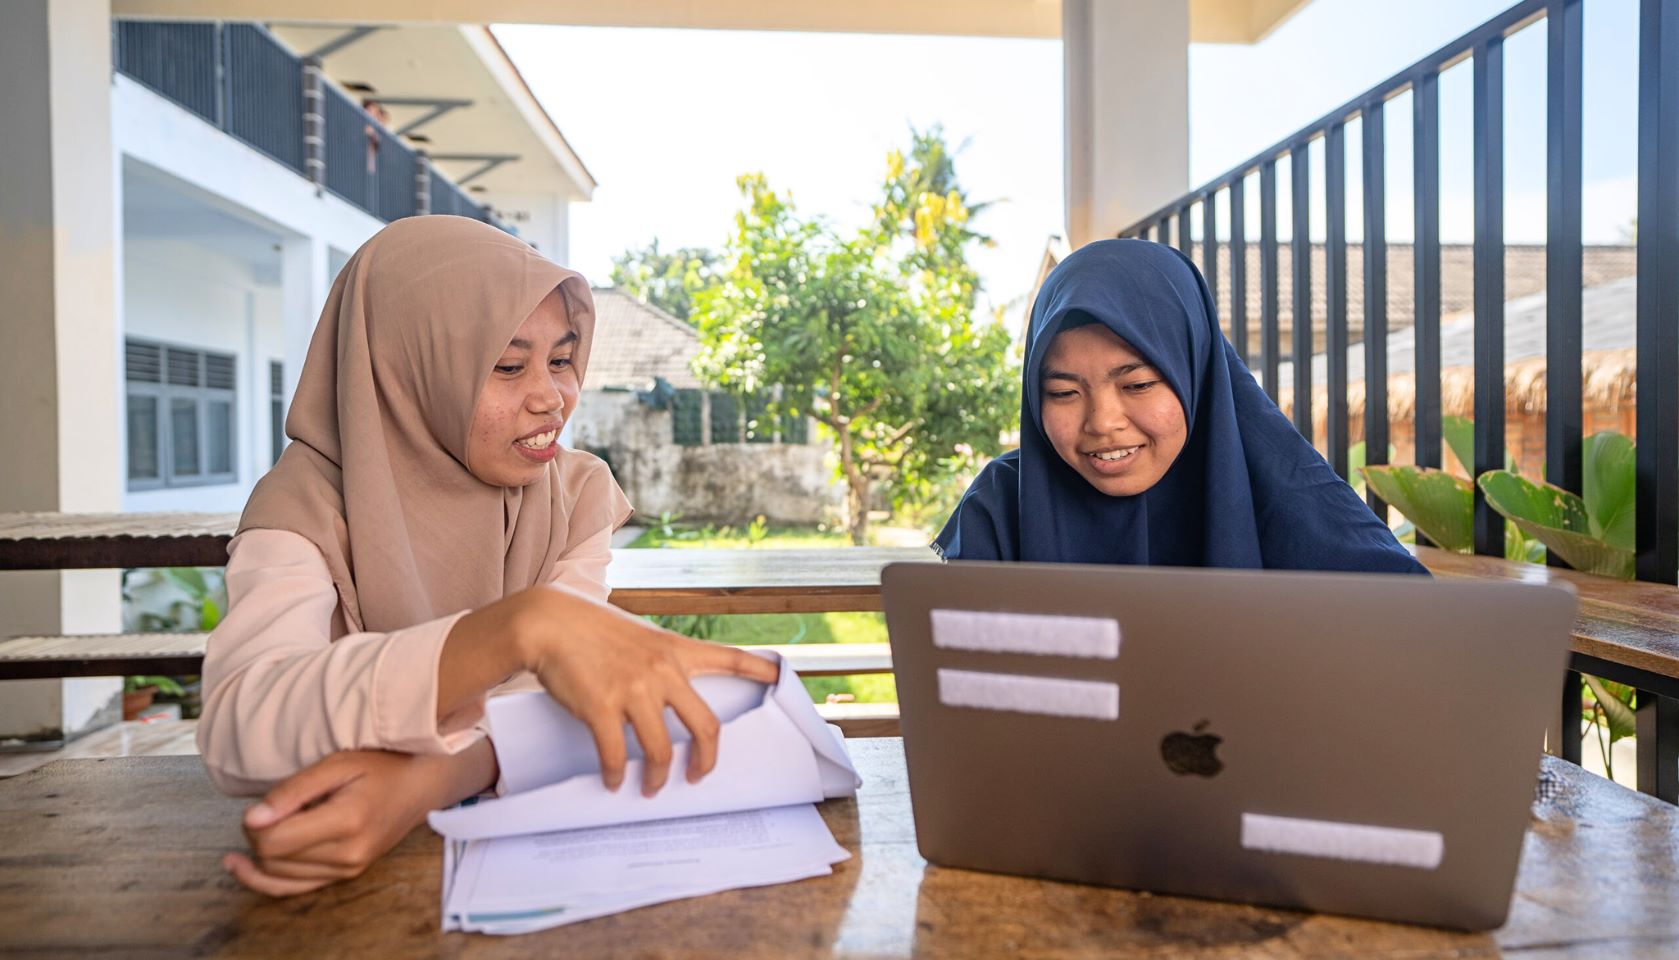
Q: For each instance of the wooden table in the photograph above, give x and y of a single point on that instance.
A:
(1626, 631)
(119, 857)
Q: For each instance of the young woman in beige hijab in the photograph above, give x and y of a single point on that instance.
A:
(423, 542)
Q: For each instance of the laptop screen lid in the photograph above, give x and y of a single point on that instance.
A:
(1349, 743)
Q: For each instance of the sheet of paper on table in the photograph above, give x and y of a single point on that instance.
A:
(558, 847)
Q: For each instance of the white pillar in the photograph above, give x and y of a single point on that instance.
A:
(1126, 66)
(305, 281)
(59, 373)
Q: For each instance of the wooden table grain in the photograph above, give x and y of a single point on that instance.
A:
(119, 858)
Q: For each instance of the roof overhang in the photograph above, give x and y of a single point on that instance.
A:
(1210, 21)
(480, 110)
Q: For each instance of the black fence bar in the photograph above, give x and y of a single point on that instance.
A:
(1209, 243)
(1374, 147)
(1658, 732)
(1186, 243)
(1425, 104)
(1657, 505)
(1335, 292)
(1268, 340)
(1300, 207)
(1567, 745)
(1564, 408)
(1239, 267)
(1161, 230)
(1489, 286)
(240, 78)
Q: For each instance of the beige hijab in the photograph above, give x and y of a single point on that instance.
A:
(377, 476)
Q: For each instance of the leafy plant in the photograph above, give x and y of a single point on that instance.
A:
(1614, 713)
(1594, 533)
(199, 607)
(1442, 505)
(756, 531)
(873, 333)
(168, 686)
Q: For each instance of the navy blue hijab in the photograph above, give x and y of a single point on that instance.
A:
(1246, 491)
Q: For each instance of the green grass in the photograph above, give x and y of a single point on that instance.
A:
(772, 538)
(779, 628)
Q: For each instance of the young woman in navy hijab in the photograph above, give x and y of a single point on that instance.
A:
(1145, 440)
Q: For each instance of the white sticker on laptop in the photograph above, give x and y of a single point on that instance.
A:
(1050, 696)
(1048, 635)
(1395, 846)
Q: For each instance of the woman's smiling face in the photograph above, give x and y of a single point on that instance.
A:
(1108, 413)
(526, 400)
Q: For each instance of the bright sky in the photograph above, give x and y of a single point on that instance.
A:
(666, 119)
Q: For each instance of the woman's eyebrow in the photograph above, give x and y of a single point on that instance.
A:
(524, 344)
(1126, 368)
(1062, 375)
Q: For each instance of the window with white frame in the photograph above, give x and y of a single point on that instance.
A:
(181, 424)
(276, 410)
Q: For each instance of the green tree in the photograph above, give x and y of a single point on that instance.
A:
(872, 333)
(666, 280)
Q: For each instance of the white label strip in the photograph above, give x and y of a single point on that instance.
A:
(1343, 841)
(1046, 635)
(1050, 696)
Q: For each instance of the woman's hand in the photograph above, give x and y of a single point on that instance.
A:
(606, 666)
(609, 667)
(331, 820)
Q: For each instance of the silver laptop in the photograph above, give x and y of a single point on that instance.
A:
(1347, 743)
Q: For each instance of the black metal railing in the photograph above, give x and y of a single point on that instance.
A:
(1657, 320)
(239, 78)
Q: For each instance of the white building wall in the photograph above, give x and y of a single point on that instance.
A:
(542, 219)
(187, 293)
(184, 294)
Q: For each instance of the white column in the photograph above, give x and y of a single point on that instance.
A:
(59, 374)
(305, 281)
(1126, 66)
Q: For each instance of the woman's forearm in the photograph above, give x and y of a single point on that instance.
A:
(481, 651)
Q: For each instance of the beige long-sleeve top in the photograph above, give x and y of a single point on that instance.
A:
(286, 683)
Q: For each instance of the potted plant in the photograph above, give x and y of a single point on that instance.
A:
(137, 693)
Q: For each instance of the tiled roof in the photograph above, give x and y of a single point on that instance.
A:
(635, 342)
(1524, 275)
(1609, 321)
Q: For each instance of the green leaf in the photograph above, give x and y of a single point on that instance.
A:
(1623, 721)
(189, 579)
(1556, 518)
(208, 615)
(1460, 436)
(1610, 494)
(1440, 504)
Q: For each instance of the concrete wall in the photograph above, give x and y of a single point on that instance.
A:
(720, 483)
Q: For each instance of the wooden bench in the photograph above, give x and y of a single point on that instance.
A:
(1627, 631)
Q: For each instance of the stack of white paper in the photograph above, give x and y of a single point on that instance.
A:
(558, 847)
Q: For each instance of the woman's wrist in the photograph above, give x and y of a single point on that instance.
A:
(451, 778)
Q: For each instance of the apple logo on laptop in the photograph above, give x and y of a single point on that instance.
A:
(1192, 753)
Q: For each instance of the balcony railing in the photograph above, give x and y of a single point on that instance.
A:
(1657, 304)
(1657, 262)
(237, 77)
